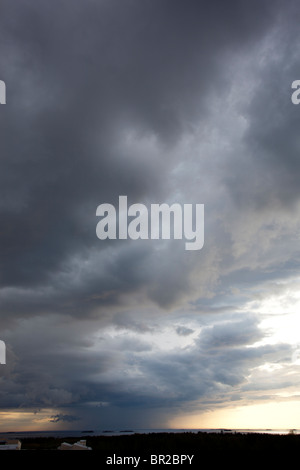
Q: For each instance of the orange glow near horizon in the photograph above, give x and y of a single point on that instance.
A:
(17, 421)
(272, 415)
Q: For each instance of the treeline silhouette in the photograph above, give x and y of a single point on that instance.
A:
(176, 443)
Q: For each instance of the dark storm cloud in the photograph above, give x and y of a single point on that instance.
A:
(267, 177)
(77, 80)
(158, 100)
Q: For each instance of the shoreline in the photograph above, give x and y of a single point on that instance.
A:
(171, 442)
(76, 433)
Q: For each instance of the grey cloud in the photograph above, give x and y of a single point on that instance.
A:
(151, 69)
(125, 373)
(184, 331)
(231, 334)
(64, 418)
(151, 99)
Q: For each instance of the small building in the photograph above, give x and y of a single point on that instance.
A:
(10, 444)
(79, 445)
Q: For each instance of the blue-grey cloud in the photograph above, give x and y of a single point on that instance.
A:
(160, 101)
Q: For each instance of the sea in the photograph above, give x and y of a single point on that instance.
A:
(82, 434)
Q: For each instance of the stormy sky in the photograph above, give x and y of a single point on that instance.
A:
(164, 101)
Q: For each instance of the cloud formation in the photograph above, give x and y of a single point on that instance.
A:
(162, 101)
